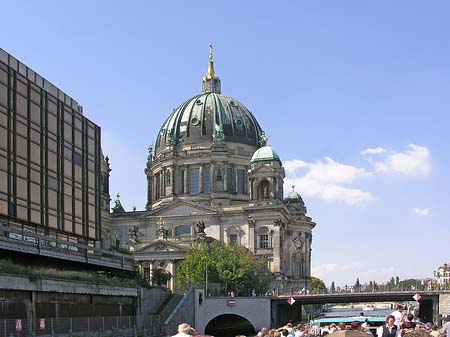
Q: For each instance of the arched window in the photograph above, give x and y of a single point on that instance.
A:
(264, 238)
(264, 190)
(183, 230)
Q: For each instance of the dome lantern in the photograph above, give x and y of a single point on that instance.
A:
(211, 82)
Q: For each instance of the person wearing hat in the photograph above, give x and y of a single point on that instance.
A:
(184, 330)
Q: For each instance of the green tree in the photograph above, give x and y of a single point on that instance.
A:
(332, 287)
(357, 285)
(234, 267)
(160, 277)
(317, 285)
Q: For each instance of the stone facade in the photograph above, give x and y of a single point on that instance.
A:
(211, 173)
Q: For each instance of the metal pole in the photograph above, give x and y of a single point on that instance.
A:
(206, 275)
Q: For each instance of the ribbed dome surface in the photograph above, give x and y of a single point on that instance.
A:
(208, 114)
(265, 153)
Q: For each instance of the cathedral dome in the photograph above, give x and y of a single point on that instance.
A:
(209, 117)
(265, 153)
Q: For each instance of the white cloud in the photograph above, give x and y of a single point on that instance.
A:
(420, 211)
(414, 161)
(324, 179)
(373, 150)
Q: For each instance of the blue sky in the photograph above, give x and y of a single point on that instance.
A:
(353, 94)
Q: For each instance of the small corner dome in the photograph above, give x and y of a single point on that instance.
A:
(294, 195)
(265, 153)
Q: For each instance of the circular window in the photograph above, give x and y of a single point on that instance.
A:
(162, 264)
(231, 102)
(198, 102)
(195, 121)
(239, 122)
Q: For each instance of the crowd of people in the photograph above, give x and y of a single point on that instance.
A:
(397, 324)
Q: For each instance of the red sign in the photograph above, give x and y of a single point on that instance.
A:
(18, 325)
(291, 301)
(42, 324)
(417, 297)
(231, 302)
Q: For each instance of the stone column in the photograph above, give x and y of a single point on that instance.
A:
(235, 179)
(172, 273)
(276, 266)
(161, 183)
(212, 176)
(172, 182)
(251, 235)
(225, 177)
(186, 173)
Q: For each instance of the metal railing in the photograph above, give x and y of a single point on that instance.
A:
(104, 326)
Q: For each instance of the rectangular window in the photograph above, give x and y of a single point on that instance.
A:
(241, 181)
(52, 184)
(233, 239)
(207, 179)
(182, 182)
(264, 241)
(194, 181)
(229, 174)
(77, 159)
(21, 146)
(3, 95)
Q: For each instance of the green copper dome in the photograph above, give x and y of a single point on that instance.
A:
(208, 117)
(265, 153)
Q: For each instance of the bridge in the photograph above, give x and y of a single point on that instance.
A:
(252, 313)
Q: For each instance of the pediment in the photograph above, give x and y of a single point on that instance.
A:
(263, 169)
(160, 246)
(182, 208)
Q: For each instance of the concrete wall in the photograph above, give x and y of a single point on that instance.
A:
(444, 304)
(13, 282)
(255, 309)
(183, 313)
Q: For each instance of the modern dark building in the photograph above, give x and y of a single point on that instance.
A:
(50, 166)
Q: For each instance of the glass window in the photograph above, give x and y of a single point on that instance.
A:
(77, 159)
(194, 181)
(35, 136)
(52, 161)
(3, 95)
(182, 182)
(78, 208)
(22, 106)
(78, 139)
(67, 168)
(35, 152)
(22, 188)
(22, 129)
(3, 138)
(35, 113)
(52, 184)
(35, 193)
(241, 181)
(229, 179)
(91, 147)
(67, 133)
(233, 239)
(183, 230)
(3, 118)
(264, 241)
(3, 181)
(207, 179)
(52, 124)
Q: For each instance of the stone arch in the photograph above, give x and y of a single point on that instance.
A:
(229, 325)
(263, 190)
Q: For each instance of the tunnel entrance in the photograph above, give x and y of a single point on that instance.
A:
(229, 325)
